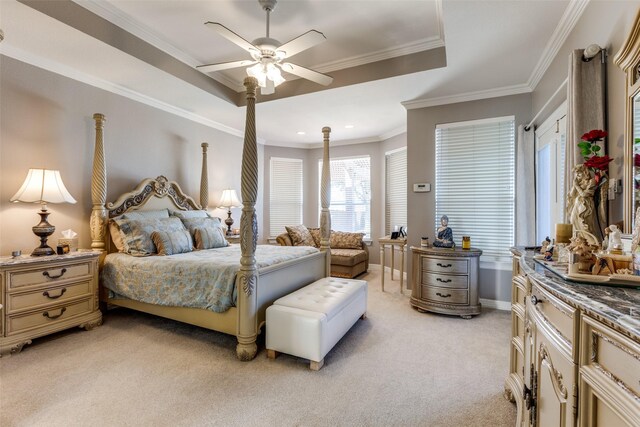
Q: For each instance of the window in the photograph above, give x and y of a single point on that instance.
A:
(550, 186)
(350, 194)
(475, 182)
(285, 194)
(395, 204)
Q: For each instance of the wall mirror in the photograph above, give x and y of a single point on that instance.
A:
(628, 58)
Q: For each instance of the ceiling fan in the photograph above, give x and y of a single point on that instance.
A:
(269, 54)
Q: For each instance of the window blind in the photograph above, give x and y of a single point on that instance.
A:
(475, 180)
(285, 194)
(395, 211)
(350, 194)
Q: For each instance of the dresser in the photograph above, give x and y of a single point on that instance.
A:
(446, 280)
(41, 295)
(574, 351)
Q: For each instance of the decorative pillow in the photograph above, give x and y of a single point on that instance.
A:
(190, 214)
(346, 240)
(136, 234)
(172, 242)
(213, 223)
(300, 235)
(116, 237)
(141, 215)
(315, 235)
(209, 238)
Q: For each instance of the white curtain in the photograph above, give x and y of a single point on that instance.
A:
(525, 187)
(586, 97)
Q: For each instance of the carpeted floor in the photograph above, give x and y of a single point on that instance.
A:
(398, 367)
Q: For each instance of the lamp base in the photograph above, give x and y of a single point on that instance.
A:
(229, 222)
(43, 230)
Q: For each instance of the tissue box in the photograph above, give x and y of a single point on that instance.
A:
(73, 243)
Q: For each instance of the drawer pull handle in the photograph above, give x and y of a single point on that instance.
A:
(444, 265)
(443, 296)
(46, 274)
(535, 300)
(48, 316)
(62, 291)
(443, 281)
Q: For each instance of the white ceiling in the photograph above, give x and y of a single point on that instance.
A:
(493, 48)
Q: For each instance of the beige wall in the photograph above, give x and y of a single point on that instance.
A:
(605, 23)
(421, 125)
(46, 123)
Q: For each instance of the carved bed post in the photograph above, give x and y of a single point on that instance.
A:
(325, 216)
(98, 220)
(248, 274)
(204, 178)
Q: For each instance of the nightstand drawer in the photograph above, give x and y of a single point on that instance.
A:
(445, 265)
(48, 276)
(444, 295)
(445, 281)
(51, 296)
(48, 316)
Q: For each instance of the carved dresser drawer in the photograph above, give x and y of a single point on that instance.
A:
(41, 295)
(446, 281)
(559, 316)
(609, 375)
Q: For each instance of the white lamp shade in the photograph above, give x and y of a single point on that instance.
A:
(43, 186)
(229, 199)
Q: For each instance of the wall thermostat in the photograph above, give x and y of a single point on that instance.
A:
(421, 188)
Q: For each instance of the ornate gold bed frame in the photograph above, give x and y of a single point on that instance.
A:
(257, 289)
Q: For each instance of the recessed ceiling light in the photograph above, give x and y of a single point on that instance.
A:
(301, 132)
(349, 126)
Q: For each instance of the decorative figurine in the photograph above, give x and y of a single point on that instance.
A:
(444, 238)
(543, 246)
(548, 253)
(615, 239)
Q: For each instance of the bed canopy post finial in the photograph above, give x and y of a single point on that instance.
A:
(248, 274)
(98, 221)
(325, 189)
(204, 178)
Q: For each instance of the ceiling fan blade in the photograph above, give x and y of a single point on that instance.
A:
(224, 65)
(231, 36)
(306, 73)
(302, 42)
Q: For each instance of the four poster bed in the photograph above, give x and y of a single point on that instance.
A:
(254, 285)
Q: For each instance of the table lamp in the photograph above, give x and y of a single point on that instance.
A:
(43, 186)
(229, 200)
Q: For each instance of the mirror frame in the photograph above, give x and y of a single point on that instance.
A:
(628, 59)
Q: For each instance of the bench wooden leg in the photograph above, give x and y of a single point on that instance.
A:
(315, 366)
(364, 315)
(272, 354)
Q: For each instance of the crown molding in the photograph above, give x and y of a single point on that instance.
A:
(568, 21)
(393, 132)
(465, 97)
(74, 74)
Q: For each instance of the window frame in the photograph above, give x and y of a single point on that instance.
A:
(274, 200)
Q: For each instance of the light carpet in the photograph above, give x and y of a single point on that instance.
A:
(398, 367)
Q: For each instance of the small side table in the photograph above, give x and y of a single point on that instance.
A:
(233, 238)
(400, 244)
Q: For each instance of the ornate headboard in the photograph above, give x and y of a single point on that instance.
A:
(151, 194)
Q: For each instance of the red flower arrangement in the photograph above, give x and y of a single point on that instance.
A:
(589, 149)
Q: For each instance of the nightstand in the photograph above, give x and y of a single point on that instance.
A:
(233, 238)
(41, 295)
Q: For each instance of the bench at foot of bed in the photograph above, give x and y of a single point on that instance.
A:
(310, 321)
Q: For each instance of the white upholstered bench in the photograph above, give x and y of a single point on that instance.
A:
(310, 321)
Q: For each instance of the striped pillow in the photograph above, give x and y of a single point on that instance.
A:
(172, 242)
(209, 238)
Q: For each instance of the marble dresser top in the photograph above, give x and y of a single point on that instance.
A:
(28, 259)
(619, 307)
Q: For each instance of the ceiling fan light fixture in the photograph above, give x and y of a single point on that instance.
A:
(257, 72)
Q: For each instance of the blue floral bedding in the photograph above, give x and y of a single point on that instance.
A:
(202, 279)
